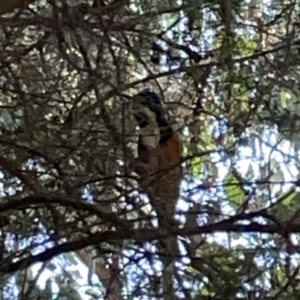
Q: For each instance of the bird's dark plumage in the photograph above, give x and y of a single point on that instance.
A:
(151, 101)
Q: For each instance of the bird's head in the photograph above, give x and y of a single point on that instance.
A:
(151, 118)
(148, 109)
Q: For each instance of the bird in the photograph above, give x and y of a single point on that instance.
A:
(159, 164)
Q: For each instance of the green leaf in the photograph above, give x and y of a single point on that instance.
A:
(233, 190)
(288, 205)
(246, 46)
(196, 166)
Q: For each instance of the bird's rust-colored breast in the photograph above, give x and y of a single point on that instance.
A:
(166, 156)
(163, 185)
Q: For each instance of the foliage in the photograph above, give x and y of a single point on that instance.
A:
(73, 221)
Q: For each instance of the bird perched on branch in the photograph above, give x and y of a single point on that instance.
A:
(158, 162)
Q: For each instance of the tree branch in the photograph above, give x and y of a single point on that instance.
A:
(140, 235)
(46, 200)
(11, 5)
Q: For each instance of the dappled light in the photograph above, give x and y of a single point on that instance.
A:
(149, 149)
